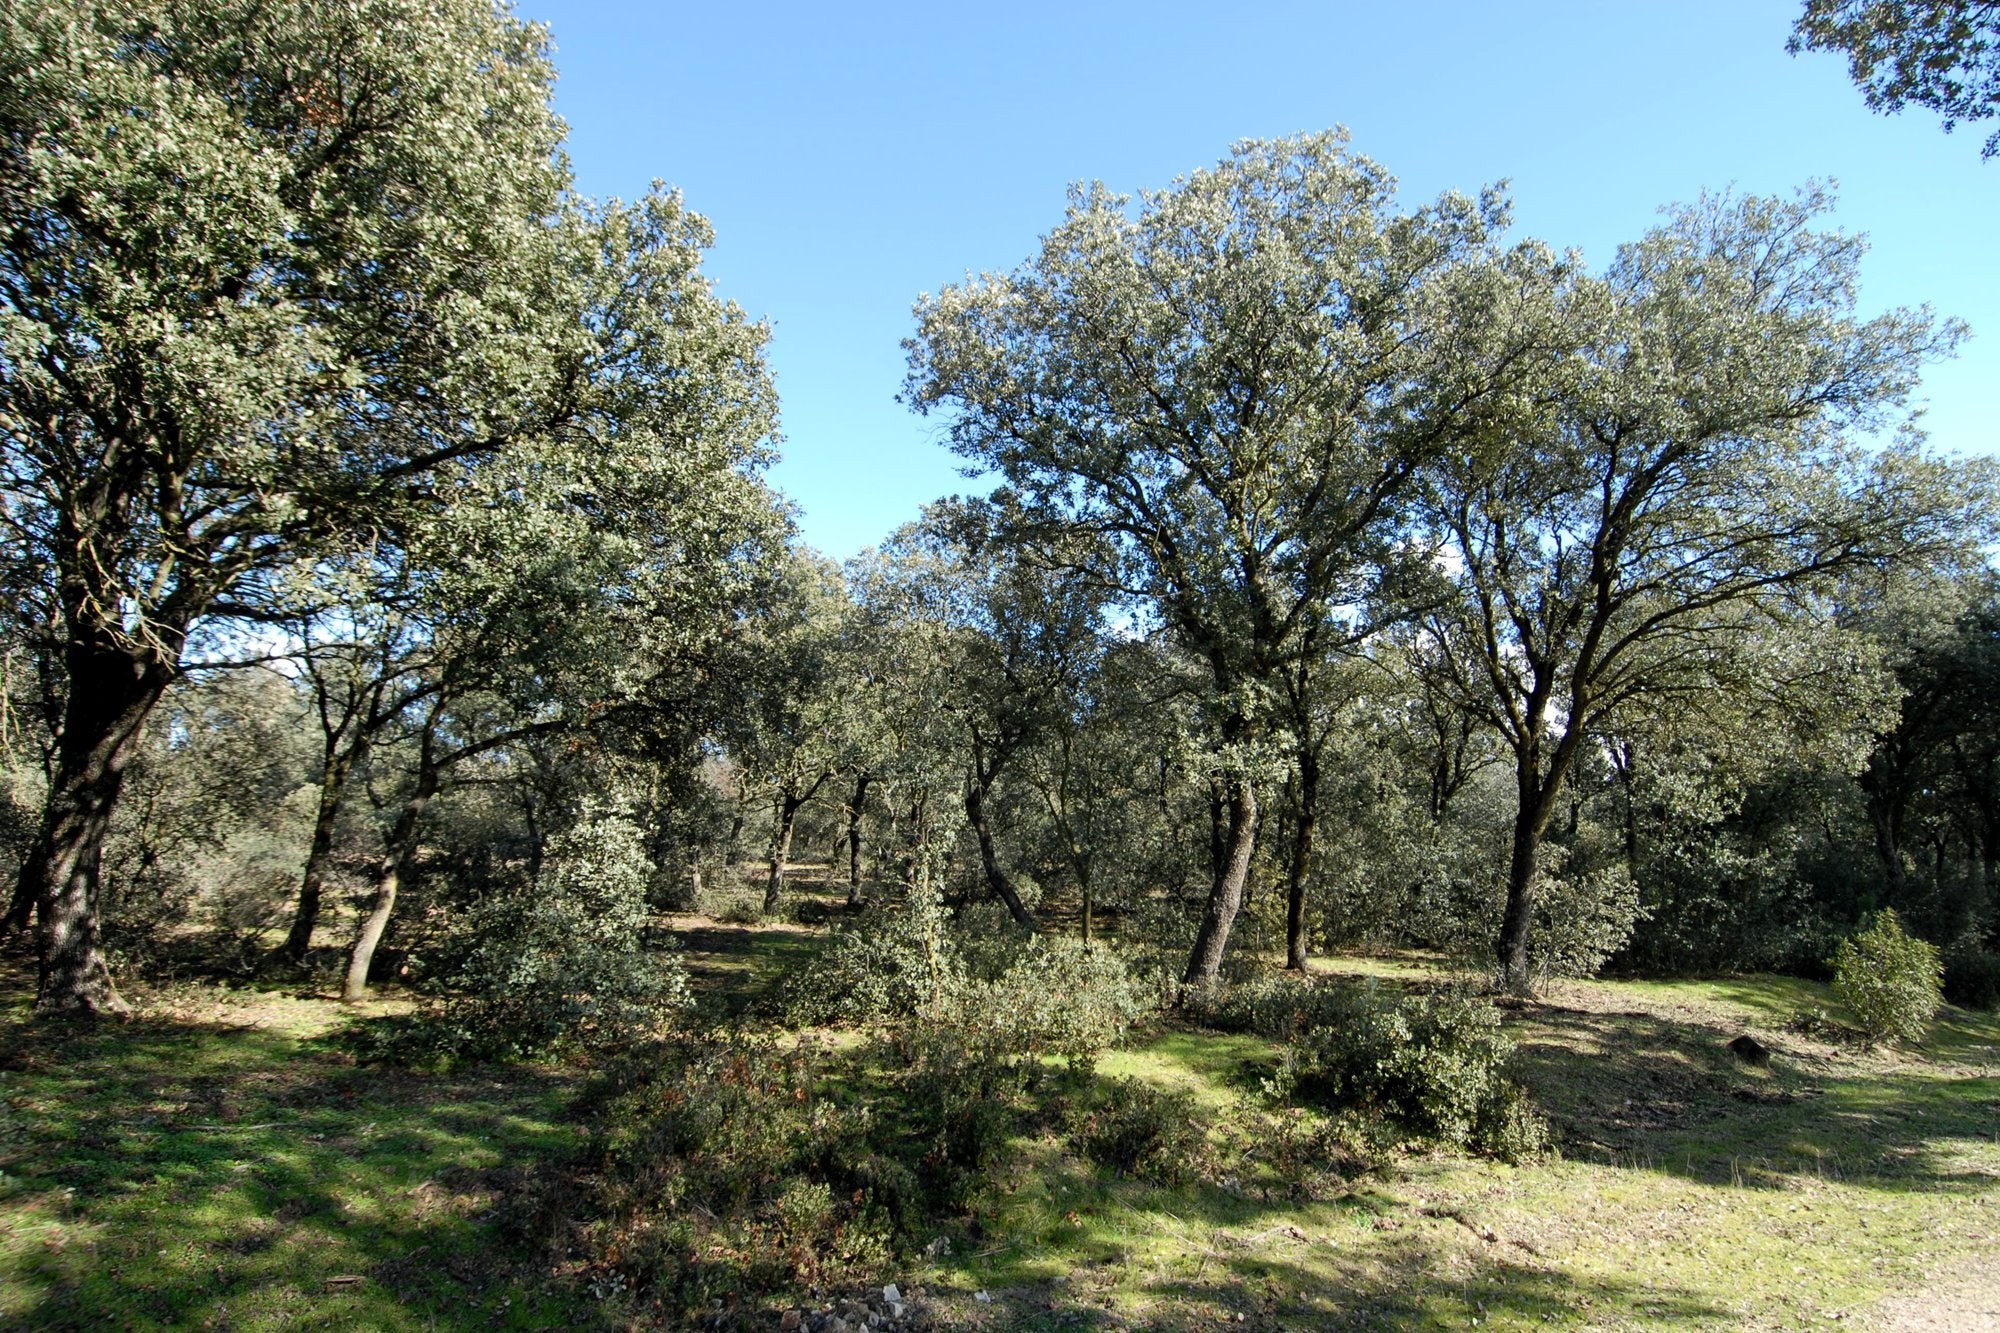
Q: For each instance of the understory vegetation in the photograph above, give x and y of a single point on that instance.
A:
(1437, 785)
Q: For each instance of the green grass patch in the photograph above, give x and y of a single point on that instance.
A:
(214, 1164)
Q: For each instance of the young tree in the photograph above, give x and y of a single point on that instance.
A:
(1229, 391)
(1678, 480)
(266, 270)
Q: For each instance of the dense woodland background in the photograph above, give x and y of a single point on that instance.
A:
(394, 599)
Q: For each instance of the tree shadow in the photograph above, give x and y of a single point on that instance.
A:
(1361, 1262)
(1659, 1093)
(181, 1174)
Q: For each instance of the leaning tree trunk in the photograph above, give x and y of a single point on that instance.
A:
(112, 690)
(996, 878)
(787, 813)
(397, 853)
(1225, 895)
(340, 763)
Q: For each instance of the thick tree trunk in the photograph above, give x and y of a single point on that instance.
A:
(111, 692)
(1536, 802)
(1225, 895)
(1300, 870)
(21, 910)
(855, 810)
(989, 860)
(1887, 817)
(339, 764)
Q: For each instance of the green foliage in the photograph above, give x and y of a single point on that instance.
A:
(1130, 1125)
(1972, 979)
(1058, 997)
(898, 962)
(735, 1165)
(1276, 1005)
(1001, 989)
(729, 1167)
(1432, 1065)
(1890, 981)
(564, 961)
(1945, 56)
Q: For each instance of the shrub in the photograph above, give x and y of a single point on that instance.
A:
(1059, 997)
(1972, 980)
(728, 1168)
(896, 962)
(1431, 1065)
(1891, 981)
(564, 961)
(1274, 1005)
(1003, 990)
(1133, 1127)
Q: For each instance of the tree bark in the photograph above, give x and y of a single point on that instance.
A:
(855, 810)
(397, 852)
(787, 812)
(1536, 802)
(339, 765)
(1300, 870)
(112, 690)
(996, 878)
(1225, 896)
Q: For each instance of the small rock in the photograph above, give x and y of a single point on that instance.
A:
(895, 1309)
(789, 1320)
(1060, 1279)
(889, 1293)
(983, 1297)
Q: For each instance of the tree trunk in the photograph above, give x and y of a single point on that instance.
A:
(387, 879)
(397, 854)
(332, 788)
(733, 851)
(112, 690)
(1307, 818)
(1536, 802)
(854, 813)
(1225, 895)
(996, 878)
(787, 813)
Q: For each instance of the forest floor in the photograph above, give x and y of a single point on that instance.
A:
(218, 1163)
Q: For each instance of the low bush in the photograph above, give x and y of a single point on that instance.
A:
(735, 1165)
(1131, 1126)
(1432, 1066)
(1059, 997)
(1891, 981)
(1274, 1005)
(1005, 991)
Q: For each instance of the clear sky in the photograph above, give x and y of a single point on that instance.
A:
(852, 155)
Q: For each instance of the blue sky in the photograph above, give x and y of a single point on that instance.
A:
(852, 156)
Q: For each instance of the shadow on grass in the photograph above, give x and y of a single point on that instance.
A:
(186, 1175)
(1639, 1090)
(741, 967)
(1363, 1261)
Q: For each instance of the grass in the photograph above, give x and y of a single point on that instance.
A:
(1691, 1191)
(217, 1163)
